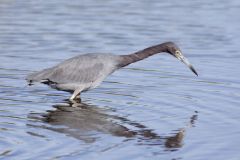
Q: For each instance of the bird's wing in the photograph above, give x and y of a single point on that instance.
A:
(80, 69)
(80, 74)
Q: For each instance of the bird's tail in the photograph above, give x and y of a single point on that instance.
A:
(38, 76)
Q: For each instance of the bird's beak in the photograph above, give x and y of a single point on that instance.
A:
(183, 59)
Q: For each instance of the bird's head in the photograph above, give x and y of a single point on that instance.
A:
(175, 51)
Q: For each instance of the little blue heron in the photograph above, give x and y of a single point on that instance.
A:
(87, 71)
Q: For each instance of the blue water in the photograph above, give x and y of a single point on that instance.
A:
(153, 109)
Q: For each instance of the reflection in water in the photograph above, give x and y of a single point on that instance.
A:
(175, 141)
(84, 122)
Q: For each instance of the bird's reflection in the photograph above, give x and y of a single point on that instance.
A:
(85, 122)
(175, 141)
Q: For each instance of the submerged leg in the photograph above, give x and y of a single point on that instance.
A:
(76, 94)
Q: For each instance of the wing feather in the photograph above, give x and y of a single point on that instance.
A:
(82, 69)
(72, 74)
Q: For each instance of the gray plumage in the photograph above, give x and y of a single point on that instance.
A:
(87, 71)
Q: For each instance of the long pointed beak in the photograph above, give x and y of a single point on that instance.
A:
(185, 61)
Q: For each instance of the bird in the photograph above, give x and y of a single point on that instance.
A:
(84, 72)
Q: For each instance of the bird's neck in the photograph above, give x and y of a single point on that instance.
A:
(140, 55)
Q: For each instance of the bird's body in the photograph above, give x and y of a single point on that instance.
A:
(87, 71)
(83, 72)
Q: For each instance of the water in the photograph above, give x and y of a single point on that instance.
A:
(154, 109)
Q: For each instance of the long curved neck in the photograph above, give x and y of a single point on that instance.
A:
(140, 55)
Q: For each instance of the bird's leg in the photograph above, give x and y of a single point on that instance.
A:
(76, 94)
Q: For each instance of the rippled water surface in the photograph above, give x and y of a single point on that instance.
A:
(153, 109)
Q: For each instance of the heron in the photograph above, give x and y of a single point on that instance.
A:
(87, 71)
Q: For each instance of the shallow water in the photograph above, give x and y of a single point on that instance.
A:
(154, 109)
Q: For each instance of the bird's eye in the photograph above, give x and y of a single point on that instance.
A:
(178, 53)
